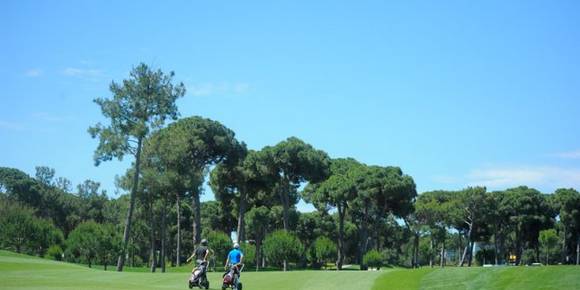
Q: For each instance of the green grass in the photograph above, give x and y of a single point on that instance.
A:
(401, 279)
(524, 278)
(25, 272)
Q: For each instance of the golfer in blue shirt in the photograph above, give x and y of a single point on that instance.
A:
(235, 258)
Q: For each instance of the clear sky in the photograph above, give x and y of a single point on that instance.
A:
(456, 93)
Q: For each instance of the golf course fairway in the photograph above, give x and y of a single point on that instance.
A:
(25, 272)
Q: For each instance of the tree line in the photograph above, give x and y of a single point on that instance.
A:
(365, 214)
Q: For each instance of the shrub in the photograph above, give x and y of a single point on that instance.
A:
(373, 259)
(54, 252)
(16, 227)
(529, 257)
(109, 246)
(549, 245)
(282, 246)
(391, 256)
(82, 243)
(21, 231)
(324, 250)
(137, 261)
(249, 252)
(220, 244)
(45, 235)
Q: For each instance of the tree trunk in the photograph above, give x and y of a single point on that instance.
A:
(178, 250)
(463, 256)
(340, 258)
(431, 253)
(258, 253)
(416, 251)
(152, 254)
(105, 266)
(163, 230)
(285, 210)
(284, 199)
(578, 250)
(132, 256)
(363, 237)
(127, 231)
(564, 250)
(519, 250)
(153, 265)
(467, 246)
(196, 205)
(242, 210)
(495, 252)
(443, 254)
(158, 263)
(471, 246)
(459, 247)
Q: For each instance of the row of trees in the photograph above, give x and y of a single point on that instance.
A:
(363, 212)
(506, 223)
(95, 224)
(444, 227)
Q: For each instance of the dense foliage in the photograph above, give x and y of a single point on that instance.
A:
(324, 250)
(281, 247)
(373, 259)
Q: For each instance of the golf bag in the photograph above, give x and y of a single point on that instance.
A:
(198, 276)
(232, 278)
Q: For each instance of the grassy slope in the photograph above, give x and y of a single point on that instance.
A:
(524, 278)
(23, 272)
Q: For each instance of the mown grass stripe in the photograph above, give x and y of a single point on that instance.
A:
(477, 278)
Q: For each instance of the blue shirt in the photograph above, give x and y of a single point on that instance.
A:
(235, 256)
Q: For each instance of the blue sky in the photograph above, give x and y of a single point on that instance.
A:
(456, 93)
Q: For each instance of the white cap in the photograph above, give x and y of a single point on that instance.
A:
(236, 246)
